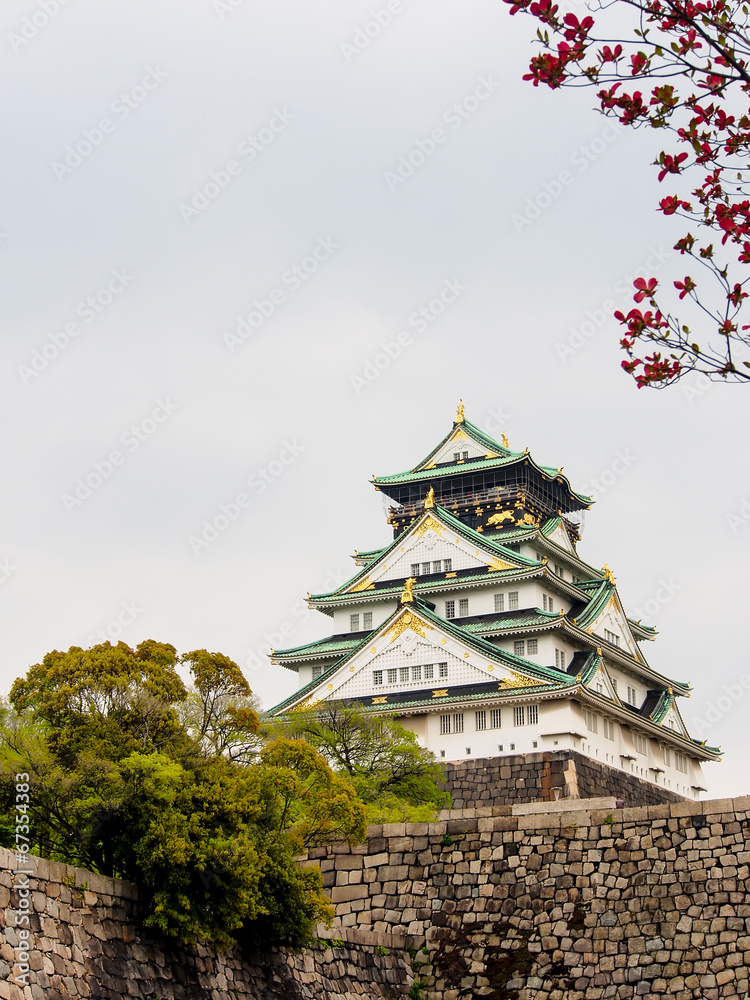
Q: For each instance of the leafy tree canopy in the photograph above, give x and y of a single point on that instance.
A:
(396, 777)
(134, 775)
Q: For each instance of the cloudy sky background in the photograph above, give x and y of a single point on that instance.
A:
(668, 467)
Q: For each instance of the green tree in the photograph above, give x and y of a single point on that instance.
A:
(396, 777)
(135, 776)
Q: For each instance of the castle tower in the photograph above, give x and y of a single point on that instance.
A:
(482, 630)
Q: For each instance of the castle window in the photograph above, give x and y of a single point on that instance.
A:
(450, 609)
(377, 677)
(354, 623)
(666, 755)
(590, 720)
(640, 743)
(532, 646)
(403, 674)
(415, 569)
(447, 565)
(317, 671)
(392, 676)
(560, 659)
(533, 715)
(499, 602)
(443, 669)
(437, 566)
(547, 603)
(513, 600)
(481, 720)
(611, 637)
(425, 569)
(519, 716)
(609, 729)
(463, 607)
(518, 647)
(495, 718)
(445, 725)
(632, 696)
(367, 619)
(428, 672)
(416, 673)
(681, 762)
(458, 722)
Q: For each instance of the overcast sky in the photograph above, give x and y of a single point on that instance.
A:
(220, 223)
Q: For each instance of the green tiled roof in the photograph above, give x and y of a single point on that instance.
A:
(511, 619)
(454, 524)
(474, 432)
(332, 644)
(544, 675)
(506, 458)
(600, 597)
(371, 555)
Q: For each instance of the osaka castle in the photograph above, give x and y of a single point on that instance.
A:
(480, 627)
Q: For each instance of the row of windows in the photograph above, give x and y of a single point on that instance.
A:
(463, 608)
(437, 566)
(640, 742)
(494, 715)
(402, 675)
(460, 456)
(366, 622)
(523, 715)
(611, 637)
(512, 601)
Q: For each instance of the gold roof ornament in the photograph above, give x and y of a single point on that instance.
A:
(504, 437)
(608, 574)
(460, 412)
(429, 500)
(407, 595)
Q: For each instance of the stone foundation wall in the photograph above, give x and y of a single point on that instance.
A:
(579, 905)
(562, 901)
(545, 777)
(87, 941)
